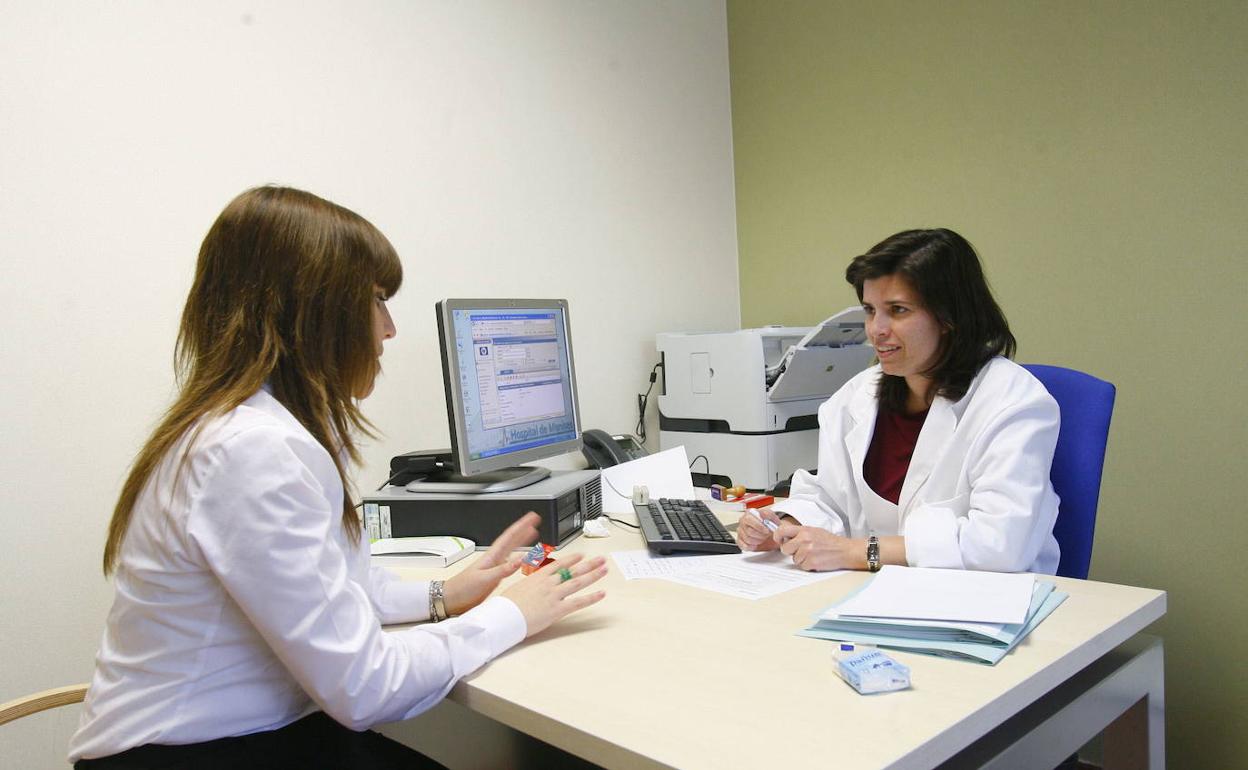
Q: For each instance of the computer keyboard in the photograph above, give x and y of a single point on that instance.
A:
(683, 525)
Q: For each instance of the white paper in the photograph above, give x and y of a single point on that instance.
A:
(745, 575)
(917, 593)
(665, 474)
(634, 565)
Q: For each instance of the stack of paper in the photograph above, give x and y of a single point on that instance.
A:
(746, 575)
(968, 615)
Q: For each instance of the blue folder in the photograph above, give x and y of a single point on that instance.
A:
(976, 642)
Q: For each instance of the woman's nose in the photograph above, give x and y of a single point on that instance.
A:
(389, 329)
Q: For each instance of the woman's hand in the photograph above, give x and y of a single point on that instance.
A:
(752, 534)
(471, 586)
(545, 596)
(818, 550)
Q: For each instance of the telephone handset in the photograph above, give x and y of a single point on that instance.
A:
(603, 450)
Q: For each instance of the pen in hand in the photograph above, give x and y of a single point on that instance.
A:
(773, 527)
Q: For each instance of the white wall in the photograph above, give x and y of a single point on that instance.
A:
(567, 149)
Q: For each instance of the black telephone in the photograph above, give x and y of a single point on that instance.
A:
(603, 450)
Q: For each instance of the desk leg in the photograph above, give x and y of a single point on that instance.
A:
(1138, 737)
(1122, 695)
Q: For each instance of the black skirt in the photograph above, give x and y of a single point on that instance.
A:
(316, 741)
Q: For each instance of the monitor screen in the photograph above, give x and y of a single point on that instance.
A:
(510, 381)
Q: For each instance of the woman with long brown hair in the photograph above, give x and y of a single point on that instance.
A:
(246, 629)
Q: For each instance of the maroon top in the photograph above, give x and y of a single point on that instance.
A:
(892, 446)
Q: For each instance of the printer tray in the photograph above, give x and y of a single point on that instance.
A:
(819, 371)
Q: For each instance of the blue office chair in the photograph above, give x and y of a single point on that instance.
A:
(1086, 404)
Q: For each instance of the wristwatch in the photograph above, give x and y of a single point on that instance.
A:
(873, 554)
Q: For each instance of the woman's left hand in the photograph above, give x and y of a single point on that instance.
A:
(818, 550)
(471, 586)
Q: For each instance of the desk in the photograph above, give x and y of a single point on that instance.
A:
(747, 693)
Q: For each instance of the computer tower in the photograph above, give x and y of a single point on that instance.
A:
(564, 500)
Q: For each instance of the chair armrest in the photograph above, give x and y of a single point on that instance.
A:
(41, 701)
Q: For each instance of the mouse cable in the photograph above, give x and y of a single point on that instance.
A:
(608, 516)
(613, 487)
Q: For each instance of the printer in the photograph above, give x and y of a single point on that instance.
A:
(748, 400)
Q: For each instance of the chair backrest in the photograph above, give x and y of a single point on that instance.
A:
(41, 701)
(1087, 405)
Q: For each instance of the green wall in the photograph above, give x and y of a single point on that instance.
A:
(1095, 155)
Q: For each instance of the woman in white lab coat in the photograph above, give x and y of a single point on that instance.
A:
(246, 628)
(939, 455)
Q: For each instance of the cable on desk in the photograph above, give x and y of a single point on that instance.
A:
(607, 516)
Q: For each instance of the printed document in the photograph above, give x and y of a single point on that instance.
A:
(744, 575)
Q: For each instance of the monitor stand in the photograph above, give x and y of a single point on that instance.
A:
(502, 480)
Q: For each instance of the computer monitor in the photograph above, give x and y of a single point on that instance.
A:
(510, 391)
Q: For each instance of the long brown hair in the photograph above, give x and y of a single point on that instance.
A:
(283, 294)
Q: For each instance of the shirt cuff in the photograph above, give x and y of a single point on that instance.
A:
(404, 601)
(808, 514)
(502, 622)
(932, 539)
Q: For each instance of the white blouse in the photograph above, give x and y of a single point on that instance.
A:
(242, 605)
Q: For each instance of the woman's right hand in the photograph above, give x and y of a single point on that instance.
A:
(752, 534)
(545, 597)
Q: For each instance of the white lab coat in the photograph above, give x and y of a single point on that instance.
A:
(242, 605)
(977, 494)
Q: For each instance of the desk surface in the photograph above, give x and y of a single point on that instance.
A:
(660, 674)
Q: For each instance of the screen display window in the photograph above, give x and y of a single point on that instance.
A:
(515, 383)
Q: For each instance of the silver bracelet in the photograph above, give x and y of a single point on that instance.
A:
(437, 603)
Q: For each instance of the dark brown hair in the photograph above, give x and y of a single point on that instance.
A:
(283, 294)
(945, 271)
